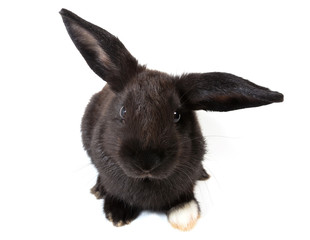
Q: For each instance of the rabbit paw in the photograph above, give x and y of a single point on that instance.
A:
(119, 212)
(204, 175)
(98, 190)
(184, 216)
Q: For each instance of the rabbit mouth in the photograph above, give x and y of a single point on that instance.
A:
(145, 176)
(140, 162)
(137, 172)
(153, 173)
(141, 173)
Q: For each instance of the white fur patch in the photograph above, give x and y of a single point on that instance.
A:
(184, 216)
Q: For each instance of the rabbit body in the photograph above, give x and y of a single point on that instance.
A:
(144, 192)
(141, 131)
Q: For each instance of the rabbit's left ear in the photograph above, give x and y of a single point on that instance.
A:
(104, 53)
(222, 92)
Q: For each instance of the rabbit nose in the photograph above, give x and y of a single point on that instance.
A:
(148, 161)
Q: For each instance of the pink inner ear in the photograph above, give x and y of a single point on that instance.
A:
(222, 98)
(85, 38)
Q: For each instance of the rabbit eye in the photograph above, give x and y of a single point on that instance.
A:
(122, 112)
(176, 117)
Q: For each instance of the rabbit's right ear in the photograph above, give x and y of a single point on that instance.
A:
(103, 52)
(217, 91)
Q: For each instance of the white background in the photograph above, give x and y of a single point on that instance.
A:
(258, 158)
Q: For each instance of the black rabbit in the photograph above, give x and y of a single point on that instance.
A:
(141, 131)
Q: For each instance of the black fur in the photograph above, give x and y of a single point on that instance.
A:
(145, 159)
(223, 92)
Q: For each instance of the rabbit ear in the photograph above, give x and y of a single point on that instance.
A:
(223, 92)
(103, 52)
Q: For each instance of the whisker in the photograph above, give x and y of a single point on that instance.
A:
(183, 173)
(82, 167)
(220, 136)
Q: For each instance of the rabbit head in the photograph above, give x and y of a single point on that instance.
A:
(148, 116)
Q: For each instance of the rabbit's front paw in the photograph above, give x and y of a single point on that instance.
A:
(98, 190)
(119, 212)
(203, 175)
(184, 216)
